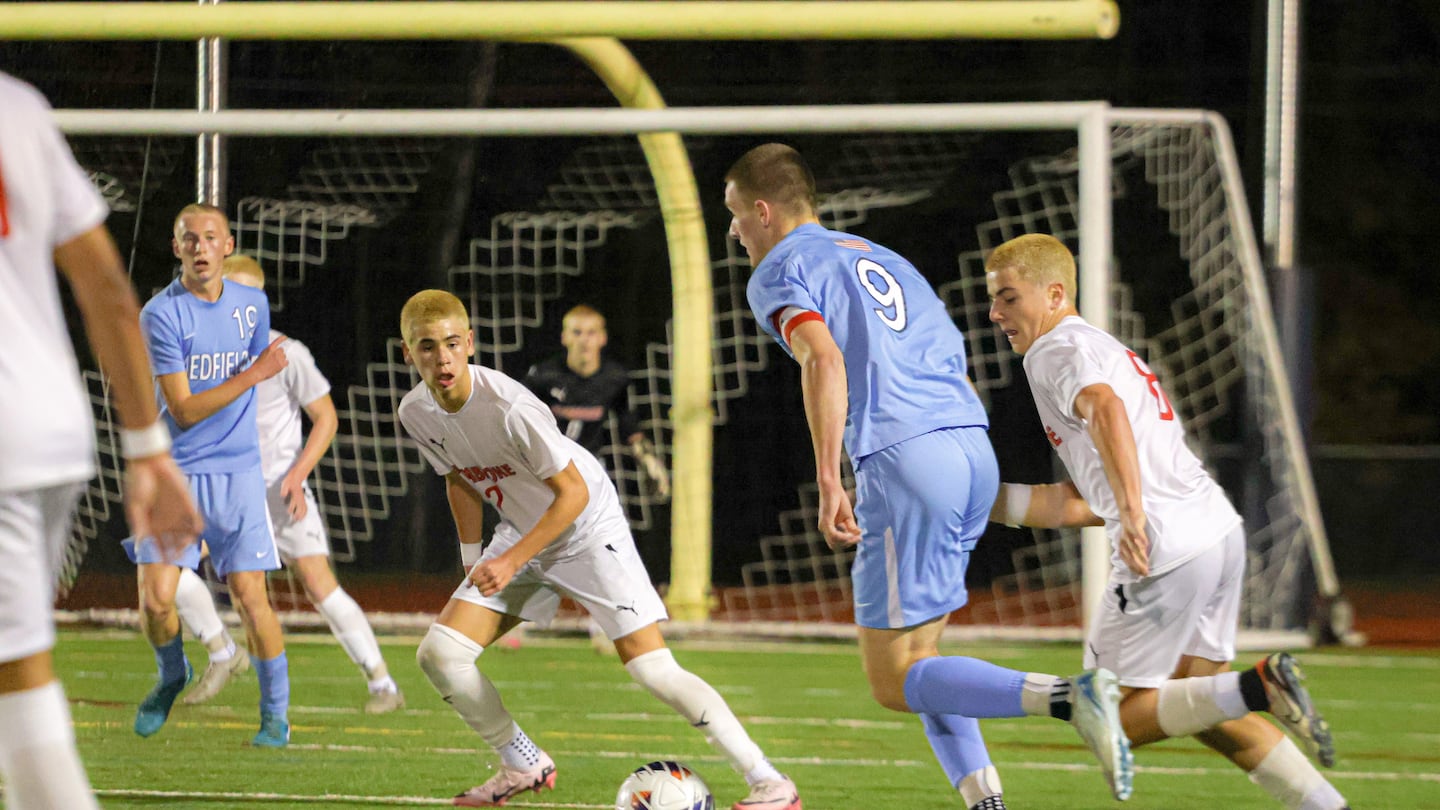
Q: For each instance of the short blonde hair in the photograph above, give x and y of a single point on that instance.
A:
(777, 174)
(1037, 258)
(200, 208)
(429, 306)
(582, 311)
(239, 264)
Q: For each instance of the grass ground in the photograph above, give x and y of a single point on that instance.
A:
(806, 704)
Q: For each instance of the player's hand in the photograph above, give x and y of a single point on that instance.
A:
(1134, 546)
(492, 575)
(158, 504)
(272, 360)
(292, 491)
(837, 518)
(656, 479)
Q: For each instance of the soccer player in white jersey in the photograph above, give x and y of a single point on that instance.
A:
(561, 532)
(1168, 621)
(50, 215)
(299, 527)
(210, 345)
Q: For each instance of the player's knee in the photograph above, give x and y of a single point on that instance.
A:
(443, 651)
(890, 696)
(657, 671)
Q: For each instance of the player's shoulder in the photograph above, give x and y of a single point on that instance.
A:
(19, 97)
(244, 293)
(416, 401)
(163, 301)
(548, 367)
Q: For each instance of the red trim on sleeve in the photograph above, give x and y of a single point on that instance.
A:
(799, 319)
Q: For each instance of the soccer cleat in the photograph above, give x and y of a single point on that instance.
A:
(1290, 703)
(154, 710)
(508, 783)
(771, 794)
(215, 677)
(385, 702)
(1095, 713)
(274, 731)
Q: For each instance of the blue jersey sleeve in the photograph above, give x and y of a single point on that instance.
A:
(162, 339)
(773, 287)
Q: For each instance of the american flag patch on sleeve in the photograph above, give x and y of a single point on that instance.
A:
(853, 244)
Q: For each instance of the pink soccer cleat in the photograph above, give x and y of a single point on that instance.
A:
(508, 783)
(771, 794)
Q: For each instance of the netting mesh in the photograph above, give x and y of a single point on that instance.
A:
(1200, 342)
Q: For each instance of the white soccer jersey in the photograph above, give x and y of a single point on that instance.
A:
(1186, 512)
(278, 403)
(45, 201)
(505, 442)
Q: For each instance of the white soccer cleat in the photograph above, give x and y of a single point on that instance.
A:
(771, 794)
(385, 702)
(507, 784)
(1095, 713)
(215, 677)
(1290, 703)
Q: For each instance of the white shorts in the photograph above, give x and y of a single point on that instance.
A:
(34, 529)
(1145, 627)
(296, 538)
(602, 572)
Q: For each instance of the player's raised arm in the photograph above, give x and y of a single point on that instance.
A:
(157, 499)
(825, 389)
(190, 408)
(1109, 427)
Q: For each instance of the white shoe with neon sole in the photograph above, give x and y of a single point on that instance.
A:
(1290, 704)
(1095, 713)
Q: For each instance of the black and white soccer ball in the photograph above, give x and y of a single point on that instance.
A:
(664, 786)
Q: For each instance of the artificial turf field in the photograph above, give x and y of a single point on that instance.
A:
(806, 704)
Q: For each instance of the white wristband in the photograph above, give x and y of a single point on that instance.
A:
(470, 554)
(1017, 503)
(144, 442)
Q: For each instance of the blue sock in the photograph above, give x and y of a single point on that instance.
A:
(954, 684)
(957, 743)
(170, 657)
(274, 677)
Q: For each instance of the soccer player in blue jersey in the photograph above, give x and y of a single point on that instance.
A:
(883, 374)
(208, 343)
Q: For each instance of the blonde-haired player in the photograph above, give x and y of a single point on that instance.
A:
(299, 528)
(1168, 621)
(561, 532)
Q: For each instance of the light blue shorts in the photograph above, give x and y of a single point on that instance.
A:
(237, 525)
(921, 504)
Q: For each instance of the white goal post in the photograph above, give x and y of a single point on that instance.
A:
(1092, 122)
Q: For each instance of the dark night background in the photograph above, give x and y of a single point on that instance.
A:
(1368, 153)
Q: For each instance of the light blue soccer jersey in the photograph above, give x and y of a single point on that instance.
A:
(904, 357)
(211, 343)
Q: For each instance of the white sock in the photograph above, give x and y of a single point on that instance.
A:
(447, 657)
(385, 683)
(196, 606)
(703, 708)
(1289, 777)
(1189, 706)
(38, 760)
(521, 753)
(977, 786)
(1036, 694)
(350, 627)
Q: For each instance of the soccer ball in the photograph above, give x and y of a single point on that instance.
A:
(664, 786)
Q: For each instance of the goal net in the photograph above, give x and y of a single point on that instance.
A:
(345, 225)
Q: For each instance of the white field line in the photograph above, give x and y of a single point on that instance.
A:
(325, 798)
